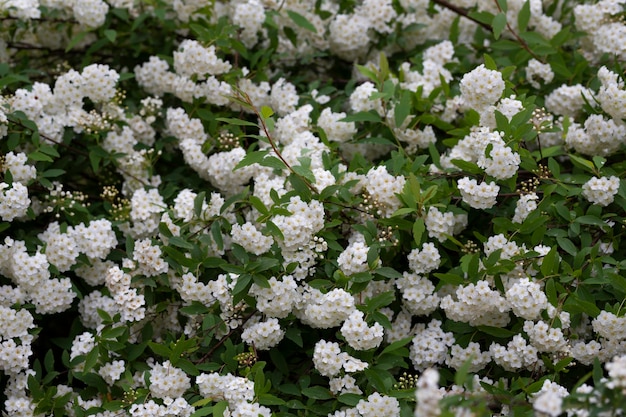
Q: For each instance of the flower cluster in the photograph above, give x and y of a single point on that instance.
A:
(247, 207)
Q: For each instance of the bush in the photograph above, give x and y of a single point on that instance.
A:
(335, 207)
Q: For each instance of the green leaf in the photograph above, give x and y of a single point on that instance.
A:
(91, 359)
(111, 35)
(379, 301)
(490, 63)
(220, 408)
(39, 156)
(497, 332)
(160, 350)
(241, 287)
(591, 220)
(76, 40)
(251, 158)
(583, 163)
(524, 16)
(180, 242)
(549, 265)
(363, 116)
(317, 393)
(398, 344)
(301, 21)
(51, 173)
(266, 112)
(198, 203)
(236, 122)
(403, 108)
(498, 24)
(567, 245)
(419, 227)
(388, 272)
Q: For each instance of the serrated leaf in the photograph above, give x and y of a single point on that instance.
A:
(301, 21)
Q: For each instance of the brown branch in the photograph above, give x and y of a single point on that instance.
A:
(461, 12)
(518, 38)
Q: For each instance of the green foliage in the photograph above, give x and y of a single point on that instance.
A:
(262, 179)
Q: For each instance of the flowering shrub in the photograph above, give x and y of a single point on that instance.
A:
(296, 208)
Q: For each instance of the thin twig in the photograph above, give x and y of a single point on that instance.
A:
(518, 38)
(461, 12)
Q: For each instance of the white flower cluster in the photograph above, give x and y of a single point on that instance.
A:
(384, 187)
(168, 381)
(298, 229)
(238, 391)
(481, 88)
(478, 305)
(425, 260)
(428, 394)
(598, 136)
(359, 335)
(354, 258)
(502, 162)
(601, 191)
(535, 71)
(16, 164)
(433, 71)
(517, 354)
(129, 301)
(263, 335)
(478, 196)
(327, 310)
(112, 371)
(549, 399)
(149, 258)
(617, 372)
(14, 201)
(32, 276)
(526, 299)
(544, 337)
(430, 344)
(612, 95)
(526, 204)
(329, 359)
(459, 356)
(279, 299)
(14, 327)
(378, 405)
(248, 237)
(441, 225)
(605, 34)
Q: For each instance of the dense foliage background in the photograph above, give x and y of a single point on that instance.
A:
(312, 207)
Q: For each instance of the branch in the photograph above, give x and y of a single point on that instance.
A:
(461, 12)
